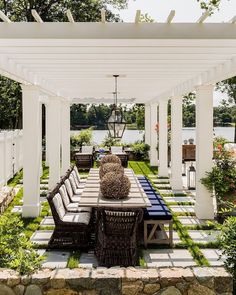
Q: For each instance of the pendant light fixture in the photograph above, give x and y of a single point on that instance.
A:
(116, 123)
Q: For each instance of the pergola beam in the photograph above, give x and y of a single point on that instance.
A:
(233, 20)
(69, 16)
(203, 17)
(4, 17)
(36, 16)
(137, 16)
(170, 16)
(103, 16)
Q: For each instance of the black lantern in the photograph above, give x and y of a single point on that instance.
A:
(191, 177)
(116, 123)
(183, 168)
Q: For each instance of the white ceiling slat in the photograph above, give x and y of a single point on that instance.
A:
(203, 17)
(233, 20)
(4, 17)
(103, 16)
(137, 16)
(70, 16)
(170, 16)
(36, 16)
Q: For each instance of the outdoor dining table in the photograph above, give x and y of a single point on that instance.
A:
(92, 197)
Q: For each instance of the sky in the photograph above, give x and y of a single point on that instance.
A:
(185, 11)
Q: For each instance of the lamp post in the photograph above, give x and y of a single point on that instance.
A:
(116, 123)
(191, 177)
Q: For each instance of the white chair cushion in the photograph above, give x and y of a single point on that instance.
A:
(75, 199)
(69, 188)
(57, 201)
(64, 195)
(76, 190)
(77, 173)
(83, 217)
(117, 149)
(87, 149)
(78, 184)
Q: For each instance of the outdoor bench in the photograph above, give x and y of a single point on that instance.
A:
(156, 217)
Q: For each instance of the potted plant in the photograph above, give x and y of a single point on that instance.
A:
(221, 181)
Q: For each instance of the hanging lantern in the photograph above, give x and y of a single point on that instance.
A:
(116, 123)
(183, 168)
(191, 177)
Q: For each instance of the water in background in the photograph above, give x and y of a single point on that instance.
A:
(130, 136)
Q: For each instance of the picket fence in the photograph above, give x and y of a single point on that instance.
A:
(11, 154)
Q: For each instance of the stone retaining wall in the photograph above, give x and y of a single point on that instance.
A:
(117, 281)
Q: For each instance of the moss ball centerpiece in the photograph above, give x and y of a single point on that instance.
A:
(110, 167)
(110, 159)
(115, 186)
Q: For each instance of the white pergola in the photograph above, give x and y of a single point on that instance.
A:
(62, 63)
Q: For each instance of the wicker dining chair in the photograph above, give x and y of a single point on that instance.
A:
(72, 230)
(116, 236)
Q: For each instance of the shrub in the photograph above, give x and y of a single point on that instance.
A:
(109, 141)
(110, 167)
(16, 251)
(110, 159)
(140, 150)
(83, 138)
(228, 245)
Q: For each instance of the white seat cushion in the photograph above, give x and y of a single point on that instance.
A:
(83, 217)
(117, 149)
(69, 188)
(57, 201)
(76, 190)
(76, 198)
(78, 184)
(87, 149)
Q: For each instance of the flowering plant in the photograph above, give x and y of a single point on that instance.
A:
(222, 178)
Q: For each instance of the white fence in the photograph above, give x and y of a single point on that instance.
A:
(11, 154)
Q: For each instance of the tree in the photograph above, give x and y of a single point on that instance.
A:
(228, 86)
(210, 5)
(189, 112)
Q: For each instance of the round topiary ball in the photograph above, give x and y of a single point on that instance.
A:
(115, 186)
(110, 167)
(110, 159)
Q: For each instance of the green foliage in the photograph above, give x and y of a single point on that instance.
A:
(109, 141)
(228, 244)
(73, 261)
(222, 177)
(16, 251)
(83, 138)
(140, 150)
(189, 113)
(210, 5)
(219, 142)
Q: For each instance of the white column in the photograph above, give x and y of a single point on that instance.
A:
(204, 149)
(65, 136)
(31, 151)
(176, 143)
(163, 140)
(46, 136)
(153, 135)
(54, 137)
(40, 140)
(147, 124)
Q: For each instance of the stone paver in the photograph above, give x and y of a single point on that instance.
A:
(182, 208)
(47, 221)
(41, 237)
(203, 236)
(179, 199)
(88, 260)
(54, 259)
(190, 220)
(213, 256)
(168, 257)
(161, 181)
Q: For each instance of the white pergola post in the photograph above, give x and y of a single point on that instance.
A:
(153, 135)
(46, 136)
(163, 139)
(147, 124)
(32, 123)
(65, 136)
(54, 137)
(176, 143)
(204, 149)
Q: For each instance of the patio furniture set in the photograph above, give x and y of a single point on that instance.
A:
(120, 225)
(86, 155)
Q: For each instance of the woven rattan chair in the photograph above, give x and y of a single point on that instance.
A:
(116, 236)
(72, 230)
